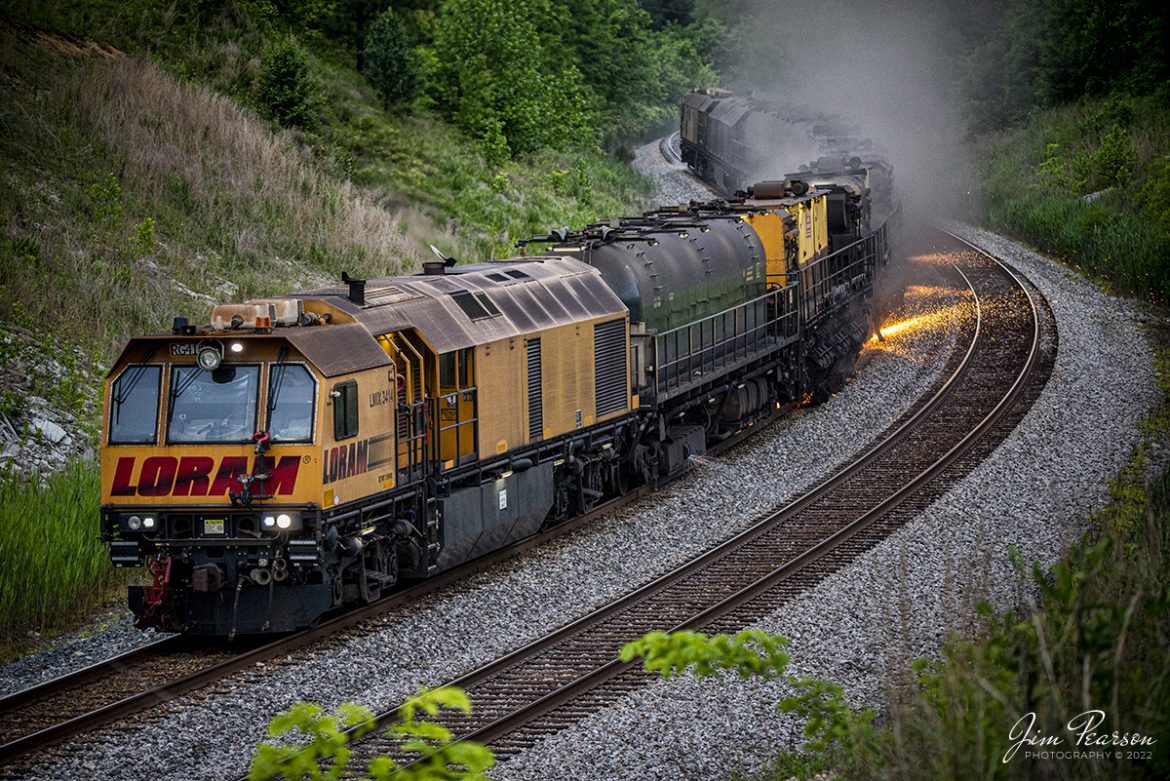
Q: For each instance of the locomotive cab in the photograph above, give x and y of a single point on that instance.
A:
(221, 446)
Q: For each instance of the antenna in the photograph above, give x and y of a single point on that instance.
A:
(447, 261)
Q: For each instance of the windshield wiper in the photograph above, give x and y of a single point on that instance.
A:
(275, 380)
(122, 395)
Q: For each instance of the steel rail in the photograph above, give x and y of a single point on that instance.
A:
(98, 669)
(612, 669)
(158, 695)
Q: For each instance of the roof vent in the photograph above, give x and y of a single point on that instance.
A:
(357, 289)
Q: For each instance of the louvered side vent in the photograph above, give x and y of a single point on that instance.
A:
(609, 366)
(535, 398)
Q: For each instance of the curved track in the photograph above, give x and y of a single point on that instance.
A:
(571, 665)
(573, 672)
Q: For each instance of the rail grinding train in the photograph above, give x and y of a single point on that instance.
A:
(298, 454)
(730, 140)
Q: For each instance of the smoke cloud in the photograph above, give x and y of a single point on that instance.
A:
(889, 68)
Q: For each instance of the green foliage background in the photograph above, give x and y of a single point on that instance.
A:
(1038, 54)
(1069, 116)
(390, 63)
(496, 79)
(161, 154)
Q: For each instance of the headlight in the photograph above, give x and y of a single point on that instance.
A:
(148, 522)
(281, 520)
(134, 523)
(210, 356)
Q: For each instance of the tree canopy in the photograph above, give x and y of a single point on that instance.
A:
(1041, 53)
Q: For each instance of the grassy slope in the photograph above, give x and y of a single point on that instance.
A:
(1117, 153)
(139, 197)
(130, 196)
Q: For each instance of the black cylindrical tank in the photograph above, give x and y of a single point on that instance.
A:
(673, 275)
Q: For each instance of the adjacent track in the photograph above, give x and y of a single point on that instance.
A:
(573, 672)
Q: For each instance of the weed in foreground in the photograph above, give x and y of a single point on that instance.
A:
(325, 752)
(56, 571)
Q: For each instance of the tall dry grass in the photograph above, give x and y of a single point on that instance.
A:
(251, 184)
(124, 189)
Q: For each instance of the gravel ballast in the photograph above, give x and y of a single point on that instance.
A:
(497, 611)
(899, 600)
(896, 601)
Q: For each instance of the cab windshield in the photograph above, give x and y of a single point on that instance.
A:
(213, 406)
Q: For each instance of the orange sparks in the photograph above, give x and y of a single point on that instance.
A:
(890, 330)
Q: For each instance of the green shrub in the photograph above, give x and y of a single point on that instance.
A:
(1110, 164)
(495, 79)
(748, 653)
(1113, 162)
(105, 198)
(390, 63)
(1154, 194)
(144, 236)
(286, 89)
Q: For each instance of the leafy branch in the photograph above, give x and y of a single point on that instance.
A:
(327, 753)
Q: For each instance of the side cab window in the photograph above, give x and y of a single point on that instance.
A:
(134, 406)
(345, 410)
